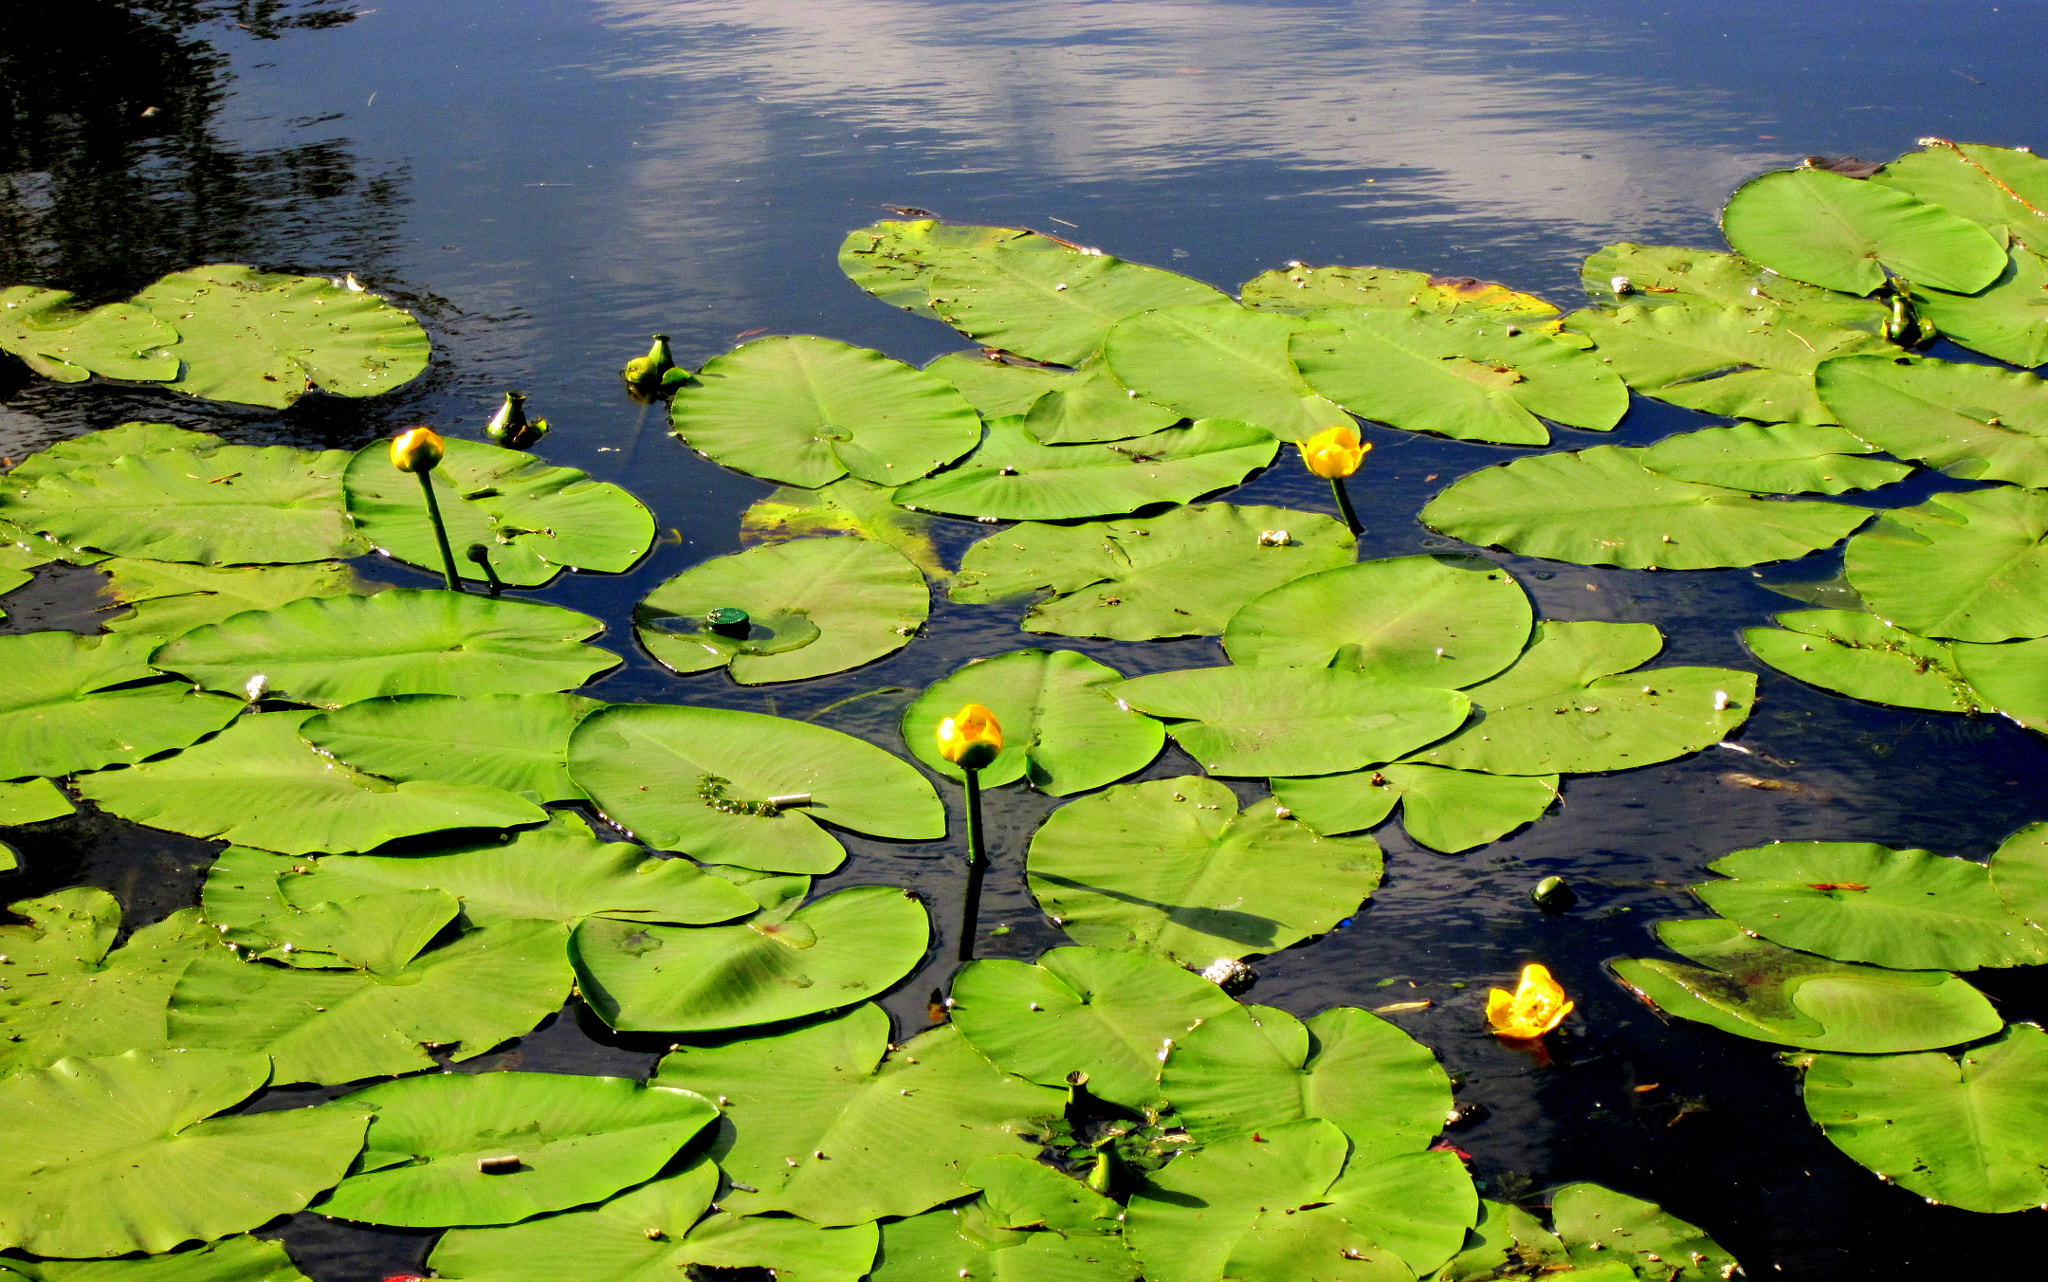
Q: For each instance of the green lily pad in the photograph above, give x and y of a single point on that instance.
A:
(1172, 867)
(1967, 1130)
(1257, 1067)
(330, 651)
(577, 1139)
(894, 260)
(1740, 361)
(1971, 566)
(1602, 1227)
(1302, 288)
(1974, 421)
(1843, 233)
(2012, 676)
(654, 1231)
(843, 948)
(847, 506)
(817, 1116)
(1445, 621)
(1292, 721)
(170, 598)
(2003, 188)
(534, 519)
(74, 703)
(697, 780)
(259, 339)
(815, 606)
(1447, 810)
(224, 505)
(518, 743)
(1508, 1237)
(1576, 703)
(1756, 989)
(1864, 657)
(1054, 307)
(998, 388)
(111, 1155)
(1063, 730)
(808, 410)
(257, 783)
(1219, 360)
(1853, 901)
(1457, 376)
(1013, 477)
(232, 1259)
(1182, 573)
(2007, 319)
(1091, 405)
(1029, 1224)
(31, 802)
(1773, 458)
(1109, 1015)
(1704, 280)
(1601, 506)
(2019, 871)
(119, 340)
(106, 445)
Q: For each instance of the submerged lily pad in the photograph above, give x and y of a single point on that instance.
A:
(814, 606)
(171, 598)
(106, 1156)
(1853, 901)
(1975, 421)
(847, 506)
(1013, 477)
(1862, 656)
(1063, 730)
(1843, 233)
(1601, 506)
(2007, 319)
(1182, 573)
(1602, 1228)
(119, 340)
(1756, 989)
(1968, 1130)
(698, 780)
(1972, 566)
(1773, 458)
(73, 703)
(1056, 306)
(515, 742)
(1443, 621)
(1702, 279)
(817, 1116)
(1172, 867)
(1303, 288)
(1029, 1224)
(808, 410)
(1223, 361)
(1447, 810)
(576, 1139)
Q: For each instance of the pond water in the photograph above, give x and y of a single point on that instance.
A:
(546, 182)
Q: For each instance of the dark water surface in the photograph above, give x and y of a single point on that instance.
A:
(547, 182)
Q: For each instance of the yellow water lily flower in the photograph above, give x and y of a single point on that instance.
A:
(1334, 452)
(416, 450)
(1537, 1006)
(971, 737)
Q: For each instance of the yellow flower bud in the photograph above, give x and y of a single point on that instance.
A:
(416, 450)
(1537, 1006)
(971, 737)
(1334, 451)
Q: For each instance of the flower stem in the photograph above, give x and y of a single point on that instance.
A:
(482, 556)
(1344, 507)
(977, 864)
(449, 574)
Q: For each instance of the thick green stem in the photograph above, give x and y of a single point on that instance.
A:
(977, 864)
(482, 556)
(1344, 506)
(448, 570)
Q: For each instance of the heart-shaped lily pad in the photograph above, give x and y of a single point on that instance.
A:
(32, 801)
(847, 506)
(894, 260)
(1051, 306)
(170, 598)
(1862, 656)
(231, 1259)
(119, 340)
(1300, 288)
(1063, 730)
(1447, 810)
(518, 743)
(1029, 1222)
(1603, 1229)
(1704, 280)
(78, 703)
(2004, 188)
(1972, 566)
(1843, 233)
(2007, 319)
(1220, 360)
(1975, 421)
(1773, 458)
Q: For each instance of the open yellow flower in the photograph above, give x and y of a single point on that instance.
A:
(1537, 1006)
(1334, 452)
(416, 450)
(971, 737)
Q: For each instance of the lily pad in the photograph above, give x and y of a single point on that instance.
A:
(1172, 867)
(1968, 1130)
(698, 779)
(1457, 376)
(1445, 621)
(1508, 1237)
(814, 606)
(894, 260)
(577, 1139)
(534, 519)
(1602, 1227)
(824, 1120)
(1013, 477)
(1843, 233)
(1864, 657)
(1853, 901)
(1091, 405)
(1182, 573)
(1219, 360)
(1447, 810)
(2003, 188)
(78, 703)
(1303, 288)
(330, 651)
(260, 339)
(1292, 721)
(111, 1155)
(119, 340)
(847, 506)
(1576, 703)
(2013, 676)
(808, 410)
(1054, 307)
(1974, 421)
(170, 598)
(1774, 458)
(1756, 989)
(1256, 1067)
(846, 947)
(1029, 1224)
(259, 784)
(1971, 566)
(106, 445)
(2019, 871)
(515, 742)
(2008, 319)
(1107, 1014)
(998, 388)
(1702, 279)
(232, 1259)
(1601, 506)
(32, 801)
(1063, 731)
